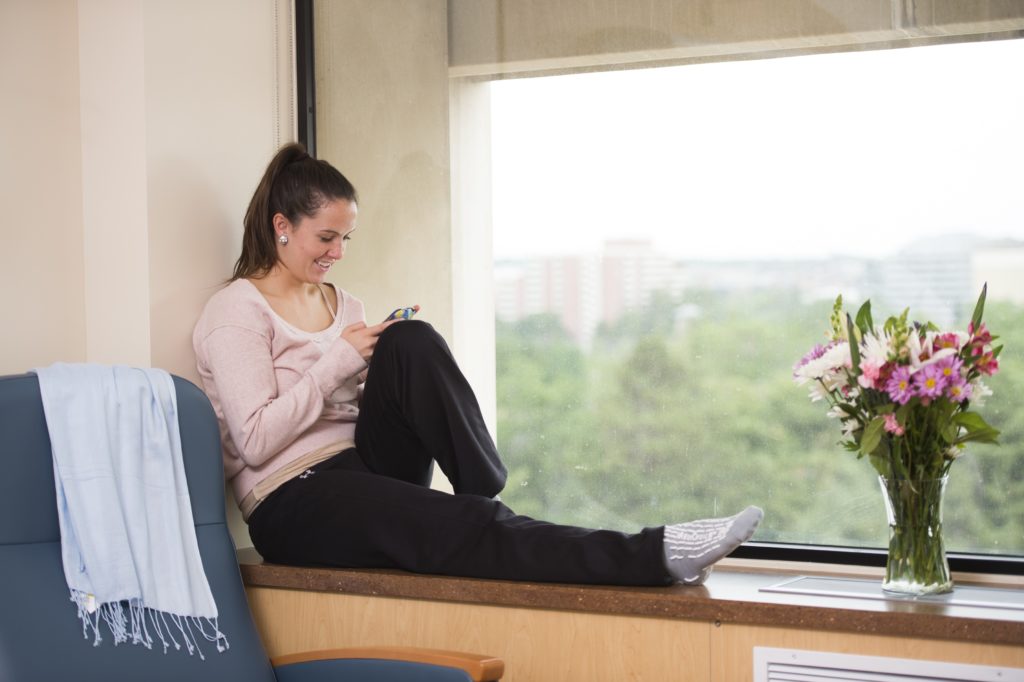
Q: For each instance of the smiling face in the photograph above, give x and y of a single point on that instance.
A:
(315, 242)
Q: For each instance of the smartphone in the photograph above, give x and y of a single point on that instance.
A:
(401, 314)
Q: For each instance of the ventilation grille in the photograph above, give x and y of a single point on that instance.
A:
(792, 665)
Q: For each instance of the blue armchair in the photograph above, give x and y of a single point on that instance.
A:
(40, 635)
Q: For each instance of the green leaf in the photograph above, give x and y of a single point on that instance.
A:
(990, 436)
(864, 322)
(972, 421)
(872, 435)
(950, 433)
(977, 428)
(979, 308)
(854, 347)
(881, 465)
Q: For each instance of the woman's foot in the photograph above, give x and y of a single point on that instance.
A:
(692, 548)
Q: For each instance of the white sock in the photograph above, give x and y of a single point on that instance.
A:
(691, 549)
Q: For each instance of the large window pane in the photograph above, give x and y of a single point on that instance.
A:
(668, 242)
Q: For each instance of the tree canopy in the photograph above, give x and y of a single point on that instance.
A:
(670, 417)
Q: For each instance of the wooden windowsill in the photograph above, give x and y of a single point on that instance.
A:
(730, 596)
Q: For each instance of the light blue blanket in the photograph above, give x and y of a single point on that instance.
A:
(128, 540)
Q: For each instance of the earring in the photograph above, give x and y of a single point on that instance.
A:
(283, 239)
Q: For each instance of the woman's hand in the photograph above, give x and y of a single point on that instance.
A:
(364, 338)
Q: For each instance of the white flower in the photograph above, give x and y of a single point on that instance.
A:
(875, 350)
(817, 392)
(979, 392)
(826, 367)
(849, 425)
(921, 353)
(935, 357)
(915, 350)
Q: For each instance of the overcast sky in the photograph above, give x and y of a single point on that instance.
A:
(805, 157)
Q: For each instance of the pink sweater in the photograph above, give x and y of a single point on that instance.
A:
(279, 392)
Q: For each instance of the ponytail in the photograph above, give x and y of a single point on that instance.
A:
(295, 185)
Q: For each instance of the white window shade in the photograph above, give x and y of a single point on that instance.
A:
(496, 38)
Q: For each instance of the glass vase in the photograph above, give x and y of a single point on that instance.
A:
(917, 556)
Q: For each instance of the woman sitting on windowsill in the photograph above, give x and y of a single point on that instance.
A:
(331, 471)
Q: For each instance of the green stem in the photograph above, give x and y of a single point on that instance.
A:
(917, 559)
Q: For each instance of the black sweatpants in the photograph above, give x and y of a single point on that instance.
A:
(371, 507)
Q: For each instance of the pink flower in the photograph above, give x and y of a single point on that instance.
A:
(979, 337)
(946, 341)
(929, 382)
(870, 372)
(898, 386)
(893, 426)
(987, 364)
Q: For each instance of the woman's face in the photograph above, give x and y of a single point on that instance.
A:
(316, 242)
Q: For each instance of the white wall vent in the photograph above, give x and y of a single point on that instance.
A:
(793, 665)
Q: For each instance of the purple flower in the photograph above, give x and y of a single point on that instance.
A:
(929, 382)
(949, 367)
(959, 390)
(898, 386)
(813, 354)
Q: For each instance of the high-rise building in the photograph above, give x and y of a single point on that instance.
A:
(938, 279)
(582, 291)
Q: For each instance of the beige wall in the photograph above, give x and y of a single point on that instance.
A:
(218, 103)
(133, 133)
(382, 119)
(41, 264)
(111, 60)
(384, 108)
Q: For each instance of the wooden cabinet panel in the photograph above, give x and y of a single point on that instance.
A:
(537, 645)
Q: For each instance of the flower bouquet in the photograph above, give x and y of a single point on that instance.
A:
(903, 395)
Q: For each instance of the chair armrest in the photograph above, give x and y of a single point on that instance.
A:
(477, 668)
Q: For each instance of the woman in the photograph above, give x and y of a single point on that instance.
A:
(329, 470)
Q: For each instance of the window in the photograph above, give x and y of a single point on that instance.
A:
(668, 242)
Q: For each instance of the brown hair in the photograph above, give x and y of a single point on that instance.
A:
(295, 185)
